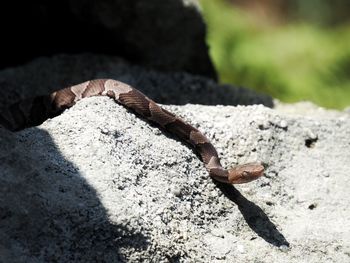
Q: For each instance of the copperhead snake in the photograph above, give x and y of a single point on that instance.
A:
(31, 112)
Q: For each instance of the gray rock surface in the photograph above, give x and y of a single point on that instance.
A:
(99, 184)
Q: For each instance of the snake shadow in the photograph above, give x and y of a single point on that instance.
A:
(255, 217)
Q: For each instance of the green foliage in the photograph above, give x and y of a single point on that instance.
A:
(291, 62)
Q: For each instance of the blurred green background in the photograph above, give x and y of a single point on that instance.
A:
(291, 49)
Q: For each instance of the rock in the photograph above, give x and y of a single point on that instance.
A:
(45, 75)
(97, 183)
(167, 35)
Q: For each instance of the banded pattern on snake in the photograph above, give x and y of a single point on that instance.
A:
(34, 111)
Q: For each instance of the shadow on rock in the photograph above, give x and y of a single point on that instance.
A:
(144, 33)
(255, 217)
(49, 212)
(176, 88)
(182, 89)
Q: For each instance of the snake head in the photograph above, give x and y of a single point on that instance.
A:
(245, 173)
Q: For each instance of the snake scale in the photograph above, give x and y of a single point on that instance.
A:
(34, 111)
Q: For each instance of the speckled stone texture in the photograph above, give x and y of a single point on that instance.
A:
(99, 184)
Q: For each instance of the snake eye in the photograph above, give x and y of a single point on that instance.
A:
(245, 174)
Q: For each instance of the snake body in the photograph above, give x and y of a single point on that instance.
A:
(31, 112)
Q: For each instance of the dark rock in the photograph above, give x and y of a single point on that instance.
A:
(167, 35)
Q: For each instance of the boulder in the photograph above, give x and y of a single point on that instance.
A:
(99, 184)
(44, 75)
(167, 35)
